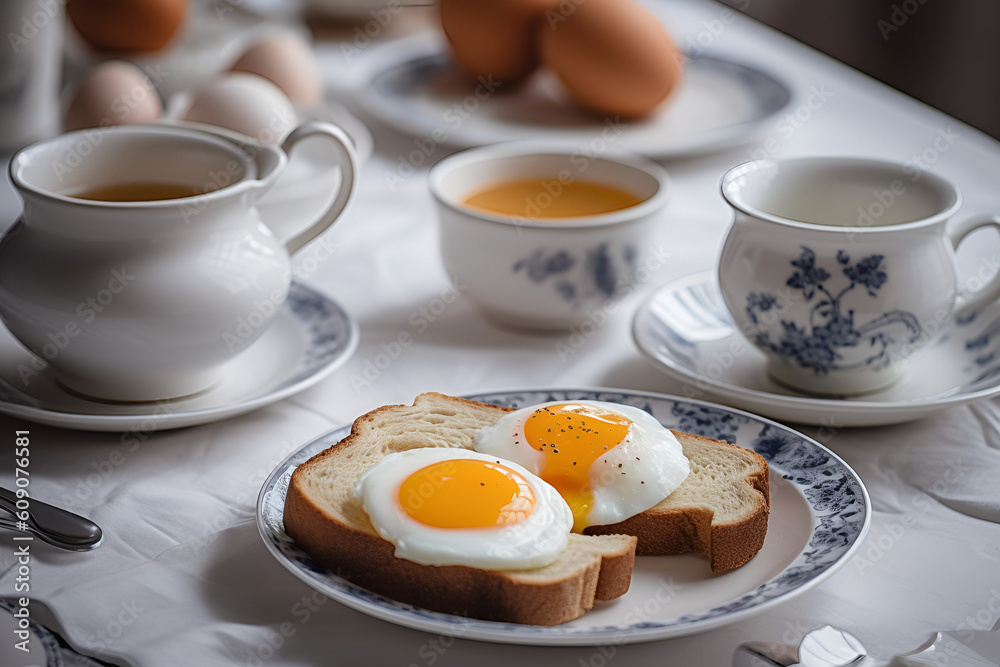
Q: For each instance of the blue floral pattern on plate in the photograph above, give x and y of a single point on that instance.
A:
(836, 497)
(685, 328)
(831, 328)
(327, 326)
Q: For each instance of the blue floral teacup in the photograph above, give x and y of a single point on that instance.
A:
(839, 269)
(530, 269)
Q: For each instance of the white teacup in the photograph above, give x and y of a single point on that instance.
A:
(147, 300)
(838, 269)
(538, 272)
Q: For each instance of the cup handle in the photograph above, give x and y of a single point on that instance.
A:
(347, 160)
(969, 301)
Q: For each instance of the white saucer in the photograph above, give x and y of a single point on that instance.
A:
(311, 337)
(415, 89)
(686, 330)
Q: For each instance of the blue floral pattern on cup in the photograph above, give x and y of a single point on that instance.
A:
(831, 330)
(601, 272)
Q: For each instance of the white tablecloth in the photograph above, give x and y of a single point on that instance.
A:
(184, 579)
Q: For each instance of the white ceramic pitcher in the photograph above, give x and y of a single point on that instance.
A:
(148, 300)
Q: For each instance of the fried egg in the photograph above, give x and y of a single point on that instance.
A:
(443, 506)
(608, 461)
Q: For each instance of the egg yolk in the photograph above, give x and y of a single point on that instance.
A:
(466, 493)
(571, 437)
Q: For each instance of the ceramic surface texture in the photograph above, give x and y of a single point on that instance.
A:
(686, 330)
(546, 273)
(840, 269)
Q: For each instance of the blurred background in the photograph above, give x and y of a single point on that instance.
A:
(945, 53)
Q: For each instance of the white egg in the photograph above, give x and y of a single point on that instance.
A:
(287, 61)
(245, 103)
(609, 461)
(444, 506)
(113, 93)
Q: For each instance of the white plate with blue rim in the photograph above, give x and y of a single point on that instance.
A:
(311, 337)
(685, 329)
(415, 88)
(820, 511)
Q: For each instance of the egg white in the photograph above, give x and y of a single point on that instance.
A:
(534, 542)
(629, 479)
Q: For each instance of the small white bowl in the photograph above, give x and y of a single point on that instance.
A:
(545, 273)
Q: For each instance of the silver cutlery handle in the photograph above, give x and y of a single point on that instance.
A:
(64, 525)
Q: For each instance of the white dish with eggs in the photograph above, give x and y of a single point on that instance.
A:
(272, 85)
(720, 103)
(819, 503)
(212, 37)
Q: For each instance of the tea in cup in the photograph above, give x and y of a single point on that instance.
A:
(141, 265)
(540, 237)
(839, 269)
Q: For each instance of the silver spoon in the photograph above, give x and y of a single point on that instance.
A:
(45, 537)
(51, 524)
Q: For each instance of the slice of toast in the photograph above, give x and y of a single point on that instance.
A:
(720, 510)
(328, 522)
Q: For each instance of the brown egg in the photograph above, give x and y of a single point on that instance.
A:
(613, 56)
(494, 38)
(127, 25)
(288, 62)
(113, 93)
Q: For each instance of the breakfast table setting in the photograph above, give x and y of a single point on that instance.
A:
(806, 268)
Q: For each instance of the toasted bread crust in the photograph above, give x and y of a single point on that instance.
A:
(360, 555)
(664, 532)
(487, 594)
(369, 561)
